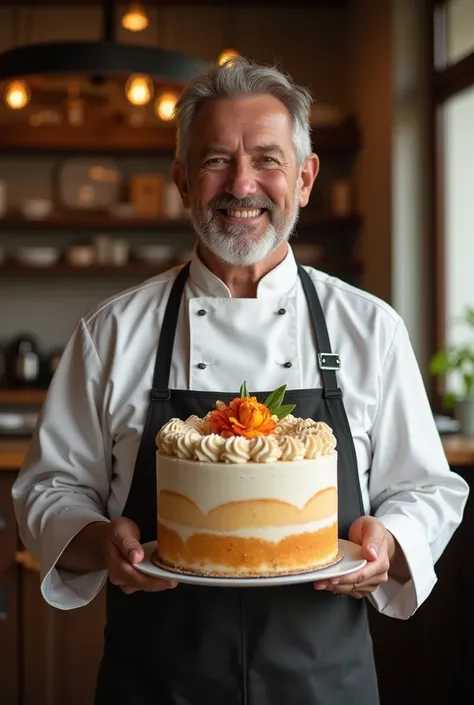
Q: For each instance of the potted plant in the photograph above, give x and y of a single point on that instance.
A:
(459, 360)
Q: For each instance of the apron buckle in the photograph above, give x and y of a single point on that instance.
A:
(329, 361)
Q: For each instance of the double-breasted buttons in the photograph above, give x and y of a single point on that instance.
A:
(288, 364)
(201, 312)
(281, 311)
(202, 365)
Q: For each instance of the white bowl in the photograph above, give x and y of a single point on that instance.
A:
(36, 208)
(80, 255)
(155, 253)
(37, 256)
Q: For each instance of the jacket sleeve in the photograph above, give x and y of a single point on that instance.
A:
(64, 482)
(413, 491)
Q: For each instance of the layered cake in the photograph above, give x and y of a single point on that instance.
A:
(247, 490)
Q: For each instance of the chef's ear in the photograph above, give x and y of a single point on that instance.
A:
(308, 174)
(178, 173)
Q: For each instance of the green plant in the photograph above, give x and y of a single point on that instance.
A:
(458, 359)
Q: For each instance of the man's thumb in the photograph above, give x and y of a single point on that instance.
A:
(368, 533)
(127, 540)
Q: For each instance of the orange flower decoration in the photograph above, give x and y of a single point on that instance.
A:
(244, 416)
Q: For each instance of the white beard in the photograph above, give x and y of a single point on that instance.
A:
(235, 245)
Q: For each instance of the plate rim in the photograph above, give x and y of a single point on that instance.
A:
(147, 567)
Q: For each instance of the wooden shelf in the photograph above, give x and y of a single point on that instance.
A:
(121, 139)
(141, 270)
(92, 222)
(103, 138)
(22, 396)
(104, 222)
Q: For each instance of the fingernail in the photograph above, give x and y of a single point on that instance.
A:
(320, 586)
(373, 549)
(134, 556)
(334, 582)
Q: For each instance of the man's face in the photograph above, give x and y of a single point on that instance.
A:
(243, 185)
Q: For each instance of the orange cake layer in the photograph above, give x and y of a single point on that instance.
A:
(242, 514)
(237, 556)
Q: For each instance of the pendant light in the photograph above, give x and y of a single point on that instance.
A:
(226, 55)
(102, 58)
(135, 18)
(139, 90)
(165, 104)
(17, 94)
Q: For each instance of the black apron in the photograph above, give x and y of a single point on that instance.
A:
(289, 645)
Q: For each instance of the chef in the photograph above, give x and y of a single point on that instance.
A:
(241, 309)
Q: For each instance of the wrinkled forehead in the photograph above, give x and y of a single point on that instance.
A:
(243, 123)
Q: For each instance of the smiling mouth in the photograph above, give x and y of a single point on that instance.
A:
(242, 212)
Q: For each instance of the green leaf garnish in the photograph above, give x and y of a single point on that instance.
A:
(274, 400)
(283, 411)
(244, 391)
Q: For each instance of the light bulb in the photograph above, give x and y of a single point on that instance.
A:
(227, 54)
(164, 106)
(139, 90)
(17, 95)
(135, 19)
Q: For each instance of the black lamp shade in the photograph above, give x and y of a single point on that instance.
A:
(101, 58)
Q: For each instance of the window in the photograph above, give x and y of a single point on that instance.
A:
(459, 29)
(458, 226)
(453, 183)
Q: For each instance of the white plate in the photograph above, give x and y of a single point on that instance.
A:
(350, 562)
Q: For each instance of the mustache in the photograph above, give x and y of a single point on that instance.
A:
(224, 202)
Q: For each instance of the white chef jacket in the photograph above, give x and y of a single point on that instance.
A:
(80, 461)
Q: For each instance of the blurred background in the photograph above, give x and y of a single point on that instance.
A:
(87, 208)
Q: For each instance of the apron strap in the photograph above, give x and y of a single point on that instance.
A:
(328, 362)
(161, 374)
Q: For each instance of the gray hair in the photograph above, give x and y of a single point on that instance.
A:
(240, 76)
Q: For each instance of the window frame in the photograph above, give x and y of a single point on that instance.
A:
(446, 80)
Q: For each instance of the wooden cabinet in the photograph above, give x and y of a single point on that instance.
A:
(429, 657)
(48, 656)
(9, 594)
(60, 650)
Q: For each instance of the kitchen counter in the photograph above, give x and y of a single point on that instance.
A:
(459, 451)
(12, 452)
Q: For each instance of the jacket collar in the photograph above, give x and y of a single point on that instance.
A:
(277, 282)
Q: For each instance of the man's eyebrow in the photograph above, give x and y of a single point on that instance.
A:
(263, 148)
(270, 148)
(213, 149)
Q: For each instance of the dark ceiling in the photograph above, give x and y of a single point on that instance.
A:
(334, 4)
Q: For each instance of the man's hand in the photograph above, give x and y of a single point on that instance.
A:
(123, 551)
(379, 548)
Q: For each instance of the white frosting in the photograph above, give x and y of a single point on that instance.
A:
(291, 448)
(264, 449)
(209, 448)
(269, 533)
(236, 450)
(185, 443)
(210, 484)
(292, 440)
